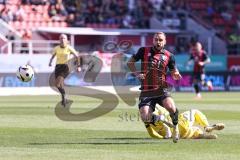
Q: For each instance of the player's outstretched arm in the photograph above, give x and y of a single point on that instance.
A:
(76, 56)
(153, 133)
(190, 61)
(132, 67)
(168, 131)
(176, 75)
(51, 59)
(208, 60)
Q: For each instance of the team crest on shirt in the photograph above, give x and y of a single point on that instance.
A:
(163, 58)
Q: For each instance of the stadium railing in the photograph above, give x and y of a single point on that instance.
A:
(28, 46)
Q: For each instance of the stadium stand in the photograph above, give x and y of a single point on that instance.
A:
(223, 18)
(26, 15)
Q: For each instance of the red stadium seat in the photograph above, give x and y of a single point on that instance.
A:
(56, 24)
(114, 26)
(89, 25)
(237, 8)
(43, 24)
(218, 21)
(94, 25)
(38, 17)
(23, 25)
(30, 25)
(14, 2)
(27, 8)
(31, 17)
(228, 30)
(63, 24)
(46, 17)
(40, 9)
(16, 25)
(101, 25)
(45, 8)
(36, 24)
(216, 15)
(232, 22)
(107, 26)
(13, 8)
(50, 24)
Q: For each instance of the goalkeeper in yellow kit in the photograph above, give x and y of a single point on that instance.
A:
(193, 124)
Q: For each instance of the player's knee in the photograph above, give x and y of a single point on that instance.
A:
(59, 82)
(58, 85)
(145, 115)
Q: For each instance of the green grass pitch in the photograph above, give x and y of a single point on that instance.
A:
(29, 129)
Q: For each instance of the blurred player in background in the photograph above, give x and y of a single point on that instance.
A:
(200, 58)
(193, 124)
(62, 52)
(155, 62)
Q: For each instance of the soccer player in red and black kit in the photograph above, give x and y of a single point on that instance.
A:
(200, 58)
(155, 61)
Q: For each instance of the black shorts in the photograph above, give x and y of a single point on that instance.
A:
(61, 70)
(198, 76)
(152, 101)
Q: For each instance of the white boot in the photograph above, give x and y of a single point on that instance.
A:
(175, 134)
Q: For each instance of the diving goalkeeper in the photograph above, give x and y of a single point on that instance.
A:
(193, 124)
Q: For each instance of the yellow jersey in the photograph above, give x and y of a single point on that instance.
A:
(159, 130)
(185, 124)
(63, 54)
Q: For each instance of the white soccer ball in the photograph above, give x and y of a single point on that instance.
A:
(25, 73)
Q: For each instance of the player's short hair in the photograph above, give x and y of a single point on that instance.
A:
(160, 33)
(198, 44)
(63, 35)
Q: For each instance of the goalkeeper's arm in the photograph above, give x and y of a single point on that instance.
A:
(168, 131)
(153, 133)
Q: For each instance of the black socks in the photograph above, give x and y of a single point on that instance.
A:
(196, 87)
(174, 117)
(62, 91)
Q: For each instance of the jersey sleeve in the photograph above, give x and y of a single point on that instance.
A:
(54, 51)
(139, 55)
(191, 57)
(172, 63)
(205, 56)
(72, 50)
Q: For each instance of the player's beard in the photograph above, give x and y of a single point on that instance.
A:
(159, 47)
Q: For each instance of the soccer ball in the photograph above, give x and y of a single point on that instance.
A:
(25, 73)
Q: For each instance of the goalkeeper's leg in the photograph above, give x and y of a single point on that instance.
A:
(201, 120)
(197, 133)
(217, 126)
